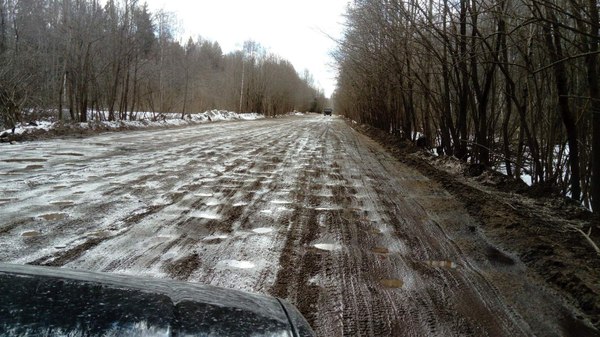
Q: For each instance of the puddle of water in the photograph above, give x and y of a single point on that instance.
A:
(575, 327)
(497, 257)
(236, 264)
(392, 283)
(64, 203)
(327, 246)
(380, 250)
(54, 216)
(374, 231)
(31, 234)
(262, 230)
(25, 160)
(98, 234)
(441, 264)
(5, 201)
(73, 154)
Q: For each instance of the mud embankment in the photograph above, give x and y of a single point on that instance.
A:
(539, 230)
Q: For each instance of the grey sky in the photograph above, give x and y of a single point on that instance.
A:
(295, 30)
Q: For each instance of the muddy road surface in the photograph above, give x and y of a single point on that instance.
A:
(304, 208)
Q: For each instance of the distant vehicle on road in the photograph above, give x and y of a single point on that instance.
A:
(43, 301)
(327, 111)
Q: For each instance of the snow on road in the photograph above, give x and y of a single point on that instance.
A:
(303, 208)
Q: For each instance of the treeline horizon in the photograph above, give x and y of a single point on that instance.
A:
(77, 56)
(510, 84)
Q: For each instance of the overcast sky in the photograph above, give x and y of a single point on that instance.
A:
(295, 30)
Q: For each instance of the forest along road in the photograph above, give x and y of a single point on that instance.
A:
(304, 208)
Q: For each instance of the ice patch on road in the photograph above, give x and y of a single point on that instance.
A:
(280, 202)
(263, 230)
(206, 215)
(328, 246)
(328, 208)
(213, 202)
(273, 212)
(236, 264)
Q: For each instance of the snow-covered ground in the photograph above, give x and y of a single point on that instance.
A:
(143, 120)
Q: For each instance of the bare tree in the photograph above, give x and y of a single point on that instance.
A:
(509, 83)
(117, 56)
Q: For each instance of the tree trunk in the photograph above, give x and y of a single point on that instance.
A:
(185, 93)
(505, 134)
(553, 40)
(461, 145)
(592, 72)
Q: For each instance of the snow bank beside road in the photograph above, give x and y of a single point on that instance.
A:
(144, 120)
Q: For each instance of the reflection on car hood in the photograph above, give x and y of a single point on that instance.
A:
(45, 301)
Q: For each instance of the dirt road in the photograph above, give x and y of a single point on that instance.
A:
(303, 208)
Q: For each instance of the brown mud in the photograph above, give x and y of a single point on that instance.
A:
(533, 223)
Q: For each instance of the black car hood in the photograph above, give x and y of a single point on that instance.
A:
(46, 301)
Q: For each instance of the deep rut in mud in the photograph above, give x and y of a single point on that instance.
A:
(304, 208)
